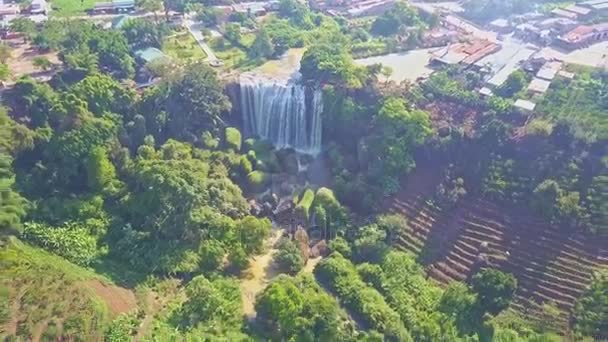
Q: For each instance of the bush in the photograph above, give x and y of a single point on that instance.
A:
(591, 310)
(341, 277)
(494, 289)
(258, 181)
(341, 246)
(304, 204)
(233, 139)
(71, 241)
(209, 141)
(289, 257)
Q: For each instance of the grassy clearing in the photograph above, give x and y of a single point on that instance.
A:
(183, 46)
(234, 56)
(41, 296)
(71, 7)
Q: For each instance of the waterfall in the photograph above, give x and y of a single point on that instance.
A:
(284, 112)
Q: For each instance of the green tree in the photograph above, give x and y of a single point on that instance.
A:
(591, 310)
(150, 6)
(103, 94)
(233, 33)
(193, 102)
(262, 47)
(494, 290)
(101, 173)
(142, 33)
(253, 232)
(331, 63)
(25, 26)
(513, 85)
(458, 302)
(214, 305)
(392, 21)
(289, 257)
(279, 304)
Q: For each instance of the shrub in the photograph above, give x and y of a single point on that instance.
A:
(233, 139)
(341, 246)
(340, 275)
(591, 310)
(289, 257)
(304, 204)
(209, 141)
(494, 289)
(258, 181)
(71, 241)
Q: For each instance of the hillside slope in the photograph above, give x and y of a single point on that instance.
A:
(551, 266)
(44, 297)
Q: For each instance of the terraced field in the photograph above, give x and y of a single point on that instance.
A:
(550, 265)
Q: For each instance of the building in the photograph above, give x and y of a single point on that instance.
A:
(549, 70)
(598, 7)
(501, 26)
(465, 53)
(119, 6)
(583, 35)
(581, 11)
(9, 9)
(439, 37)
(558, 12)
(538, 86)
(525, 105)
(38, 7)
(351, 8)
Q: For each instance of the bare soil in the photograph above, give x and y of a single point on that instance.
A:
(21, 61)
(118, 299)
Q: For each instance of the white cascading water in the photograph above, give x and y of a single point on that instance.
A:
(279, 110)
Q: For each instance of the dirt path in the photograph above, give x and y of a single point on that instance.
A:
(260, 272)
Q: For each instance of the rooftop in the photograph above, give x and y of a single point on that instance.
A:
(150, 54)
(549, 70)
(566, 74)
(581, 31)
(500, 23)
(525, 105)
(577, 9)
(565, 14)
(539, 86)
(593, 2)
(465, 52)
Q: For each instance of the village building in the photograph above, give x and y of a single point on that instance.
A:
(525, 105)
(549, 70)
(583, 36)
(119, 6)
(501, 26)
(538, 86)
(352, 8)
(465, 53)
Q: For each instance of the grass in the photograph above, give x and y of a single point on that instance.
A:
(183, 46)
(234, 56)
(40, 293)
(71, 7)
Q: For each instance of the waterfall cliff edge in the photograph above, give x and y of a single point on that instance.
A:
(282, 111)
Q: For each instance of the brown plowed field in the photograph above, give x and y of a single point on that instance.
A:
(551, 265)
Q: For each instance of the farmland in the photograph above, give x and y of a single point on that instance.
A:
(551, 266)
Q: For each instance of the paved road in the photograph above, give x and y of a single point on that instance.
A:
(196, 30)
